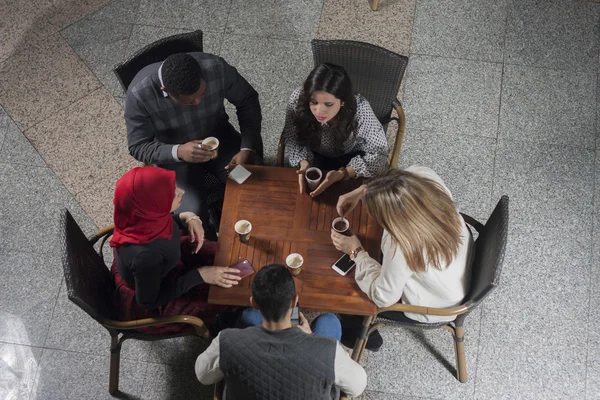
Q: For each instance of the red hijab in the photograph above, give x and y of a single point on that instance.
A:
(143, 199)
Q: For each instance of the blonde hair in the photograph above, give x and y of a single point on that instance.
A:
(419, 215)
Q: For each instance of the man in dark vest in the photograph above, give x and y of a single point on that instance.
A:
(277, 360)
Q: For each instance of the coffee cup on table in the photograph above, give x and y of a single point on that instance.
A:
(294, 263)
(341, 225)
(313, 177)
(243, 229)
(211, 143)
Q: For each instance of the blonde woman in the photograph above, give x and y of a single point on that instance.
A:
(425, 244)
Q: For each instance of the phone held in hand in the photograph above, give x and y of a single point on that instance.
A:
(245, 268)
(343, 265)
(296, 315)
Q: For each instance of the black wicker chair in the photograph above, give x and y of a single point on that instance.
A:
(486, 266)
(155, 52)
(90, 286)
(376, 73)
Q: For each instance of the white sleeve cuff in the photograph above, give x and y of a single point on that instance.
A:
(245, 148)
(174, 153)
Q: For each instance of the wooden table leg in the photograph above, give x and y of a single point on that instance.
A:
(374, 4)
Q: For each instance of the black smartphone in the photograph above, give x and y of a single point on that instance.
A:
(296, 315)
(343, 265)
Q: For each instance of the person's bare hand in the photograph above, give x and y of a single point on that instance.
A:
(304, 325)
(345, 243)
(243, 157)
(331, 178)
(196, 231)
(347, 202)
(221, 276)
(193, 152)
(301, 171)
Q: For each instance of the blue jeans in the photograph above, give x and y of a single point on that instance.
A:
(327, 325)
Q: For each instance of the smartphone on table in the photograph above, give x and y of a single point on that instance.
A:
(296, 315)
(245, 268)
(343, 265)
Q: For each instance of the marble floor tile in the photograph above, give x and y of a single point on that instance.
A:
(124, 11)
(181, 351)
(95, 126)
(526, 113)
(68, 375)
(287, 19)
(465, 163)
(16, 148)
(174, 383)
(191, 14)
(553, 34)
(35, 191)
(532, 325)
(373, 395)
(72, 329)
(18, 366)
(101, 44)
(274, 68)
(470, 29)
(24, 23)
(62, 13)
(389, 27)
(28, 294)
(593, 342)
(423, 362)
(453, 96)
(54, 78)
(547, 185)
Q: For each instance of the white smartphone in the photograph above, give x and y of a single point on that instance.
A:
(343, 265)
(239, 174)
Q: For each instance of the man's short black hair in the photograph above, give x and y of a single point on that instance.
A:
(273, 289)
(181, 74)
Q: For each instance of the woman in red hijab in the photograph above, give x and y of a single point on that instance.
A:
(156, 271)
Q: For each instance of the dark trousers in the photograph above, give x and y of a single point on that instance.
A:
(330, 163)
(193, 177)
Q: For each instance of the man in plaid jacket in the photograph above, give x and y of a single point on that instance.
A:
(172, 106)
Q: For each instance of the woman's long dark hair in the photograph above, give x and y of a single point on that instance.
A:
(334, 80)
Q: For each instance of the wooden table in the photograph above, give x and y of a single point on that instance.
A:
(284, 222)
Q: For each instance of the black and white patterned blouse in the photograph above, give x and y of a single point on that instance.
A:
(370, 139)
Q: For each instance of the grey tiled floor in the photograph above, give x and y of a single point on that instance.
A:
(501, 98)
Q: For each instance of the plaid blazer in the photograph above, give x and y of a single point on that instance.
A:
(155, 123)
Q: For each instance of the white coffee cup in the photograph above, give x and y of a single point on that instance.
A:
(294, 262)
(313, 177)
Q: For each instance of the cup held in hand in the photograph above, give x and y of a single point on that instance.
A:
(313, 177)
(243, 229)
(294, 263)
(211, 143)
(342, 225)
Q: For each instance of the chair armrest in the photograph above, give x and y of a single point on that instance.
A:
(473, 222)
(425, 310)
(401, 120)
(196, 322)
(107, 230)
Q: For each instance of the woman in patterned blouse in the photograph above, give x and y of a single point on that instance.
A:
(330, 127)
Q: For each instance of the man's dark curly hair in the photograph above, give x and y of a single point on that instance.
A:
(181, 74)
(273, 289)
(334, 80)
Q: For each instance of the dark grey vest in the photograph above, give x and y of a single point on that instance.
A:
(259, 364)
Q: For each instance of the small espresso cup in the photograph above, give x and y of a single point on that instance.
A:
(243, 229)
(294, 263)
(313, 177)
(341, 225)
(211, 143)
